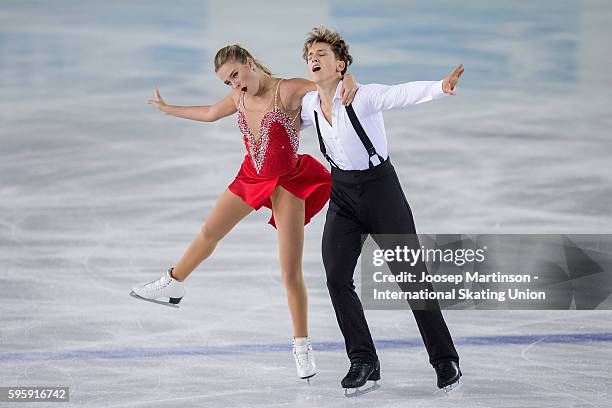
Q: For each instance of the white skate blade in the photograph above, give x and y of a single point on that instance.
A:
(452, 387)
(364, 389)
(159, 302)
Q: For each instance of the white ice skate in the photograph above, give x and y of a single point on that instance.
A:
(304, 359)
(164, 287)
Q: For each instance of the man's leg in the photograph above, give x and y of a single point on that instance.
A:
(341, 246)
(392, 215)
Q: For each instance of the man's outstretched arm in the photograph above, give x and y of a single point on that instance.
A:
(383, 97)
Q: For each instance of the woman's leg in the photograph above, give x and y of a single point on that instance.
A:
(226, 213)
(289, 217)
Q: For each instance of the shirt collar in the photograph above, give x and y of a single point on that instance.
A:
(338, 88)
(336, 96)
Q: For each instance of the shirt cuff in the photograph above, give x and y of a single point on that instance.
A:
(436, 90)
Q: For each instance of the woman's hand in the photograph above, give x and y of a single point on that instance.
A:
(349, 89)
(448, 85)
(159, 102)
(207, 113)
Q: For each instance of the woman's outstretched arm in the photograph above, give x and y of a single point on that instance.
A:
(209, 113)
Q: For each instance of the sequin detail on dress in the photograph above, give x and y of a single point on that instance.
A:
(275, 151)
(256, 147)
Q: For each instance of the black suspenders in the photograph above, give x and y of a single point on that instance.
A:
(365, 140)
(321, 144)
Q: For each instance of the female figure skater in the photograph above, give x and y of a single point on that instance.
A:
(294, 186)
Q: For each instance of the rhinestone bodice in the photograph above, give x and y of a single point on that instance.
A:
(274, 152)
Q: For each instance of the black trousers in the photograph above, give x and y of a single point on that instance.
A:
(370, 202)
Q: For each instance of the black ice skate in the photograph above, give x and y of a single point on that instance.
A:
(357, 376)
(448, 373)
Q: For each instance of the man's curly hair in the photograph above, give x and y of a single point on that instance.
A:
(323, 34)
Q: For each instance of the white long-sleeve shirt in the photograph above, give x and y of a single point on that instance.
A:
(341, 141)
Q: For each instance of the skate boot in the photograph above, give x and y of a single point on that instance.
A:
(164, 287)
(304, 359)
(448, 373)
(357, 376)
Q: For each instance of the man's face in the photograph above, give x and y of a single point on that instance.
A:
(322, 63)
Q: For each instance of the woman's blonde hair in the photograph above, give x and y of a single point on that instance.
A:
(235, 52)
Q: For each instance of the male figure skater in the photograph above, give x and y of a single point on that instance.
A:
(366, 198)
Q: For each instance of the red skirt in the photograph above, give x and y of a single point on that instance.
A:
(309, 181)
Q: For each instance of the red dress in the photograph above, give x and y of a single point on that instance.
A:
(272, 160)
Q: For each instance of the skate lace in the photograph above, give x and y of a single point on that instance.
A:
(157, 285)
(356, 367)
(444, 369)
(303, 355)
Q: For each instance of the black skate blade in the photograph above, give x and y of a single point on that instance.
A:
(356, 392)
(159, 302)
(310, 377)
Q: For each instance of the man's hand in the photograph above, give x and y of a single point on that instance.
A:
(448, 85)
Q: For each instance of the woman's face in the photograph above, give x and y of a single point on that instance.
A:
(239, 76)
